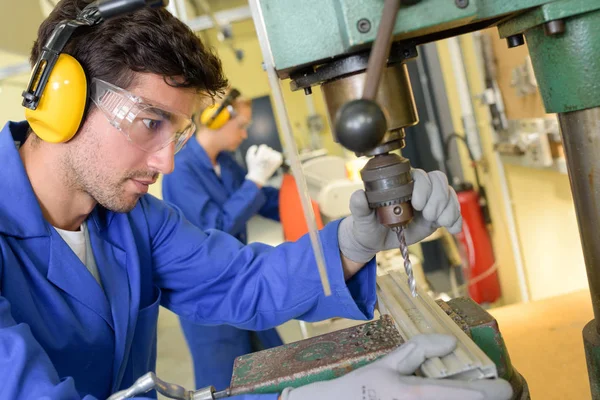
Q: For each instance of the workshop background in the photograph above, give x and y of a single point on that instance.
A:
(534, 231)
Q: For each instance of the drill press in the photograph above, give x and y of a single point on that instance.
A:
(564, 39)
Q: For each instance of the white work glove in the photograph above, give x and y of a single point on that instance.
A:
(262, 162)
(360, 235)
(388, 378)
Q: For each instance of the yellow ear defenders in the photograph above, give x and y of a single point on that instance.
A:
(57, 93)
(217, 115)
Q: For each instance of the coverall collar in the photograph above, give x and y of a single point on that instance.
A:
(202, 156)
(20, 211)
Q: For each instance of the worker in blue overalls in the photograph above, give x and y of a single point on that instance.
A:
(87, 256)
(214, 192)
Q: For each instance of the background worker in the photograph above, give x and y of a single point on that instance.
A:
(214, 192)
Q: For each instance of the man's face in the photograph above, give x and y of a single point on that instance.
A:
(101, 160)
(235, 131)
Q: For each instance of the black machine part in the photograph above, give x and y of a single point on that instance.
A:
(389, 185)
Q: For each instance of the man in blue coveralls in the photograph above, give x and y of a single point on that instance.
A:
(214, 192)
(87, 257)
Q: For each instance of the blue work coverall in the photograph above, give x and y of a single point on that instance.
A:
(64, 337)
(225, 203)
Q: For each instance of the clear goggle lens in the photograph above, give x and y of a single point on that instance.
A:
(148, 127)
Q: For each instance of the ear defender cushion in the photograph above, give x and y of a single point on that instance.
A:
(217, 121)
(62, 104)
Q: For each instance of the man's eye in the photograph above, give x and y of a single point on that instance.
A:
(152, 124)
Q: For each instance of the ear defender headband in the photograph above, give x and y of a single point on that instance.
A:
(217, 115)
(57, 93)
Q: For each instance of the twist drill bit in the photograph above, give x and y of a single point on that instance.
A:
(407, 264)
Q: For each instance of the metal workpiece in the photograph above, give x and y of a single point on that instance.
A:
(485, 332)
(581, 139)
(422, 315)
(316, 359)
(388, 186)
(483, 329)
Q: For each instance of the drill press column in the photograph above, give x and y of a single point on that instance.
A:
(564, 43)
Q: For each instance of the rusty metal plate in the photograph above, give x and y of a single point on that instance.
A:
(316, 359)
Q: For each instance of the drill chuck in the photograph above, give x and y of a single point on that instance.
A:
(389, 185)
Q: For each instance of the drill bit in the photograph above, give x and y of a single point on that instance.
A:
(407, 264)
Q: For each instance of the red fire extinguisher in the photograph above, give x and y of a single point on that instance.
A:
(480, 270)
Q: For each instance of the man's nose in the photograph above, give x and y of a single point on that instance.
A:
(163, 161)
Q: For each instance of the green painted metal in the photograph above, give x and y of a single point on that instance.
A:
(548, 12)
(316, 359)
(416, 20)
(591, 340)
(566, 65)
(308, 32)
(493, 8)
(485, 333)
(489, 339)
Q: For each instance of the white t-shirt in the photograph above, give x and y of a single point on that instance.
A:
(79, 242)
(218, 169)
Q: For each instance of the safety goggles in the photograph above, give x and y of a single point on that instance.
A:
(148, 127)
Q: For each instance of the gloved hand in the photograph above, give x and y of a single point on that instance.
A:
(262, 162)
(360, 235)
(387, 378)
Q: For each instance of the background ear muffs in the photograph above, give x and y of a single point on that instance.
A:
(60, 110)
(217, 115)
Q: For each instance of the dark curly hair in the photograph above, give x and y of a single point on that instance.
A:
(148, 40)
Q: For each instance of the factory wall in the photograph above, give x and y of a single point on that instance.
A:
(541, 200)
(10, 90)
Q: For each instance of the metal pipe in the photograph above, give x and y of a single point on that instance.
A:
(290, 144)
(381, 49)
(580, 132)
(464, 96)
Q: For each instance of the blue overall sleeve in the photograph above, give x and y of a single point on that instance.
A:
(198, 207)
(271, 207)
(27, 373)
(211, 278)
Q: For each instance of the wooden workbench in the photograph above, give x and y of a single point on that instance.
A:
(545, 344)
